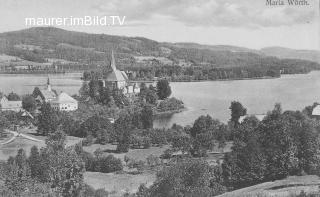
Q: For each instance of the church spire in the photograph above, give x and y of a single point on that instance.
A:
(48, 84)
(113, 62)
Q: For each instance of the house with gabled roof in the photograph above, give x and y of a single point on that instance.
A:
(64, 102)
(316, 111)
(6, 105)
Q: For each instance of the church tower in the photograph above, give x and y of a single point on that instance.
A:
(113, 62)
(48, 84)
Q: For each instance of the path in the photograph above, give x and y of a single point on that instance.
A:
(16, 134)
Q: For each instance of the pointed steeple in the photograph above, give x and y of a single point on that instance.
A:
(113, 62)
(48, 84)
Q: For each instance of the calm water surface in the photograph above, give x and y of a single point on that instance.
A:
(24, 84)
(294, 92)
(214, 97)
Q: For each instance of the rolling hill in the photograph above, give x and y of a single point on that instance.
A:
(281, 52)
(38, 44)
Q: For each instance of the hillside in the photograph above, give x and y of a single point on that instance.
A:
(288, 187)
(215, 47)
(281, 52)
(83, 51)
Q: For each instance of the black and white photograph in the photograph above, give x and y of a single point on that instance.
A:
(159, 98)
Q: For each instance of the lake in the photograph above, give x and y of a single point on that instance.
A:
(294, 92)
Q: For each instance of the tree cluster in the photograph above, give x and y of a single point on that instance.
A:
(282, 144)
(58, 169)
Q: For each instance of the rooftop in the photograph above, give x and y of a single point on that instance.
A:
(64, 98)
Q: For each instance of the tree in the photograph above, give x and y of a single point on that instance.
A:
(245, 165)
(17, 173)
(70, 126)
(276, 141)
(170, 104)
(120, 99)
(163, 89)
(29, 103)
(123, 126)
(147, 117)
(181, 142)
(94, 88)
(186, 178)
(34, 162)
(4, 122)
(105, 95)
(13, 97)
(98, 126)
(48, 120)
(149, 94)
(84, 91)
(109, 164)
(203, 134)
(237, 110)
(305, 137)
(63, 167)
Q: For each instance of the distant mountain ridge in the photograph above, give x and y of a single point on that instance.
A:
(282, 52)
(85, 48)
(215, 47)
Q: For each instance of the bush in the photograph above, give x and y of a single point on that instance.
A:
(158, 136)
(109, 164)
(138, 141)
(88, 141)
(170, 104)
(167, 154)
(153, 161)
(89, 160)
(137, 164)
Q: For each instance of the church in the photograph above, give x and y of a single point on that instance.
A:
(116, 79)
(59, 102)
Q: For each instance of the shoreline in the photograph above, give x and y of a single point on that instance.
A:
(231, 79)
(204, 80)
(170, 112)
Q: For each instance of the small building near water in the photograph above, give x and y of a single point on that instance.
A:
(316, 111)
(6, 105)
(64, 102)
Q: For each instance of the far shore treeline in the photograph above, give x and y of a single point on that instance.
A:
(66, 51)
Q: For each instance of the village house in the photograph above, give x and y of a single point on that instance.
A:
(316, 111)
(7, 105)
(260, 117)
(117, 79)
(64, 102)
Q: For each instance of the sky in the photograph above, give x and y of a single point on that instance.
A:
(246, 23)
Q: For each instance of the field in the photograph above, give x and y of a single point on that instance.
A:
(118, 184)
(11, 149)
(288, 187)
(135, 154)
